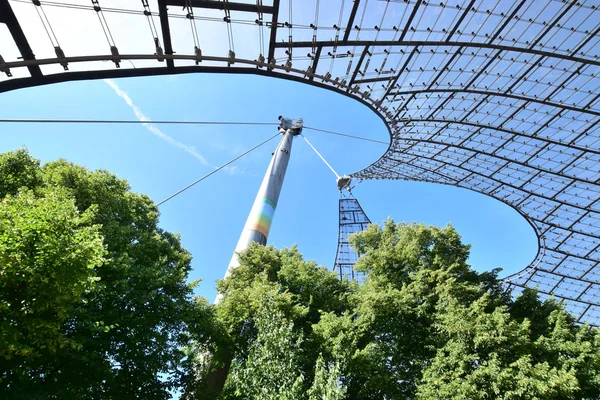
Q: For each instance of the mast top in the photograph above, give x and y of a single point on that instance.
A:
(295, 125)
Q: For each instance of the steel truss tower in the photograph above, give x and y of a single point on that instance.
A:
(352, 220)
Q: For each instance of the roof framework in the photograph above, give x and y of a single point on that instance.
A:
(500, 97)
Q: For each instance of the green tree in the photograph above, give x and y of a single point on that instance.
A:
(490, 354)
(17, 170)
(271, 369)
(281, 282)
(132, 326)
(423, 325)
(48, 251)
(327, 383)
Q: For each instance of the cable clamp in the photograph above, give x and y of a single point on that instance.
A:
(4, 68)
(343, 182)
(309, 71)
(160, 54)
(198, 54)
(60, 54)
(116, 57)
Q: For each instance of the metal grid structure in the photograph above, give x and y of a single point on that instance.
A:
(352, 219)
(500, 97)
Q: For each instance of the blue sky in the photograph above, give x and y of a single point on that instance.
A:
(210, 216)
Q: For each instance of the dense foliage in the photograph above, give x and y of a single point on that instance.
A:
(424, 325)
(94, 302)
(48, 252)
(266, 318)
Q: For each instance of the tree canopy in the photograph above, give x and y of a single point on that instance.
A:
(423, 325)
(94, 302)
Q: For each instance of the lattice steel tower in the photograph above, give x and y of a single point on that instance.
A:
(352, 220)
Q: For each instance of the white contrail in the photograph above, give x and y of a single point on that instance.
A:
(154, 130)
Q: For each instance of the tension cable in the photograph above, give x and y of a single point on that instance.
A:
(216, 169)
(322, 158)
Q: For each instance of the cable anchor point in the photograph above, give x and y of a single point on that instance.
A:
(343, 182)
(294, 125)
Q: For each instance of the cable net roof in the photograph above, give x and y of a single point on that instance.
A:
(500, 97)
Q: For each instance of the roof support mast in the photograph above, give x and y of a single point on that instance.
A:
(261, 215)
(258, 226)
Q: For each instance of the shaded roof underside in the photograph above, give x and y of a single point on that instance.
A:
(500, 97)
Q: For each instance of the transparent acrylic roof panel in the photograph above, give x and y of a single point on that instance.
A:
(500, 97)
